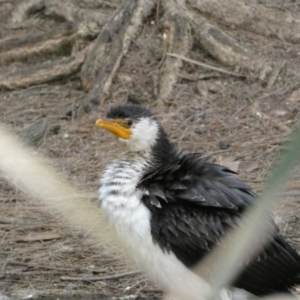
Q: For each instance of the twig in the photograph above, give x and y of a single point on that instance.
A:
(198, 76)
(215, 153)
(157, 12)
(99, 278)
(28, 265)
(291, 194)
(195, 62)
(275, 73)
(239, 110)
(11, 221)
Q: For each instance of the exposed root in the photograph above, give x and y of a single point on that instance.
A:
(23, 9)
(177, 40)
(105, 45)
(110, 47)
(66, 10)
(227, 50)
(205, 66)
(266, 21)
(22, 47)
(38, 74)
(184, 23)
(81, 24)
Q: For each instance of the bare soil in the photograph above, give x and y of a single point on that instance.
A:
(233, 119)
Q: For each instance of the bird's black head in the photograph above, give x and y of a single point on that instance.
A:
(139, 130)
(128, 111)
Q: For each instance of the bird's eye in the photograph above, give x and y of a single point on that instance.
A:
(129, 122)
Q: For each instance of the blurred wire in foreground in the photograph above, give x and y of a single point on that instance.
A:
(31, 173)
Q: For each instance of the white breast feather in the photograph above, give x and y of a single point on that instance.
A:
(121, 201)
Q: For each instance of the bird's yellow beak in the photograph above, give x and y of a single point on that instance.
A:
(117, 127)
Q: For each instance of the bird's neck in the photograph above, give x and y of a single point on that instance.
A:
(150, 161)
(163, 152)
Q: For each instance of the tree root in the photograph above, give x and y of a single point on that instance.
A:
(19, 48)
(65, 9)
(178, 40)
(23, 9)
(106, 41)
(266, 21)
(227, 50)
(184, 23)
(81, 24)
(38, 74)
(111, 46)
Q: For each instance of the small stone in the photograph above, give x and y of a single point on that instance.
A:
(259, 114)
(55, 129)
(35, 134)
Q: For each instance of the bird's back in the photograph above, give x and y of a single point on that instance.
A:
(193, 203)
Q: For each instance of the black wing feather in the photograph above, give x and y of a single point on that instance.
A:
(194, 179)
(194, 202)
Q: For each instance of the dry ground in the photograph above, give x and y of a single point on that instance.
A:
(234, 119)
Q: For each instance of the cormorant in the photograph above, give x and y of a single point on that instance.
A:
(170, 209)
